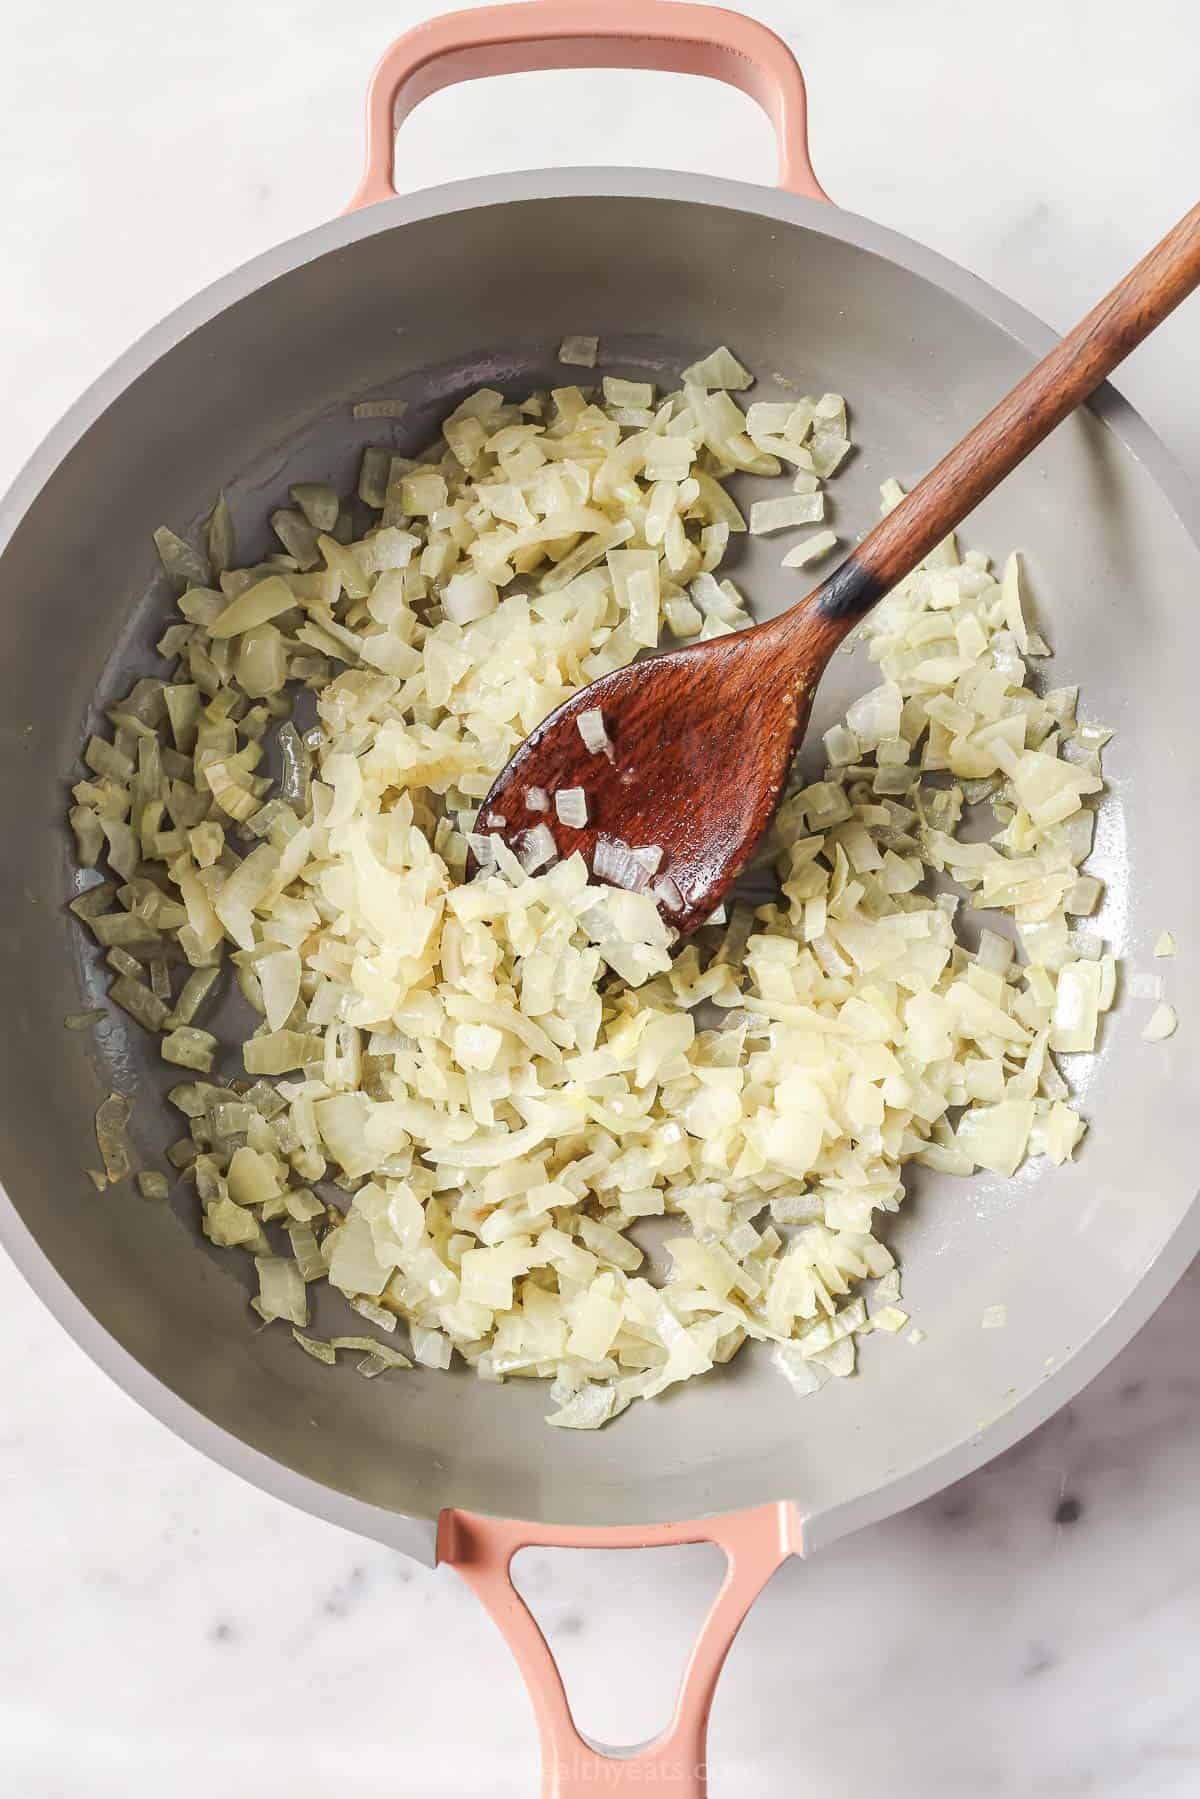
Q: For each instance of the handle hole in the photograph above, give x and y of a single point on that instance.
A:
(573, 117)
(621, 1625)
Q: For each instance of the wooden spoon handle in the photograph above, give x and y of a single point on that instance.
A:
(1039, 402)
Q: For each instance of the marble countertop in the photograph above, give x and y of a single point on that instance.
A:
(1031, 1632)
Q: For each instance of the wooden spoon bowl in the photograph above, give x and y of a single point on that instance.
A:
(702, 741)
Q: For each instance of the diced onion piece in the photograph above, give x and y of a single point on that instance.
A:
(596, 740)
(683, 619)
(180, 560)
(318, 502)
(431, 1349)
(1076, 1007)
(193, 994)
(188, 1047)
(1164, 944)
(112, 1116)
(80, 1021)
(889, 1318)
(220, 537)
(802, 1374)
(279, 976)
(639, 394)
(650, 856)
(260, 603)
(537, 799)
(319, 1350)
(483, 849)
(570, 803)
(995, 1137)
(721, 369)
(297, 537)
(134, 997)
(582, 351)
(1162, 1023)
(468, 597)
(782, 515)
(810, 549)
(589, 1409)
(281, 1291)
(537, 848)
(828, 449)
(994, 1318)
(262, 661)
(614, 861)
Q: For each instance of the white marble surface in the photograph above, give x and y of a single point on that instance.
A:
(1033, 1632)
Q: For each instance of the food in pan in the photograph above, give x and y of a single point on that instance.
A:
(464, 1103)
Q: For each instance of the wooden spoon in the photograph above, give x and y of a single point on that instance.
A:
(703, 737)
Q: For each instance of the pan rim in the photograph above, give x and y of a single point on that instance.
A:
(412, 1534)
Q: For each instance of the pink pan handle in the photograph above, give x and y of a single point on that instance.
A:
(587, 34)
(755, 1544)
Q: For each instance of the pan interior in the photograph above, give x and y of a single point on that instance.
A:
(424, 310)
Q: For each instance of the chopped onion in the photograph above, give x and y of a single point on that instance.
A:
(580, 350)
(570, 803)
(138, 1000)
(618, 393)
(537, 848)
(1163, 1022)
(590, 1408)
(259, 604)
(482, 848)
(721, 369)
(280, 1290)
(188, 1047)
(468, 597)
(590, 725)
(496, 1076)
(614, 861)
(112, 1116)
(781, 515)
(318, 502)
(297, 537)
(1164, 945)
(220, 537)
(81, 1021)
(319, 1350)
(193, 994)
(180, 560)
(810, 549)
(889, 1318)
